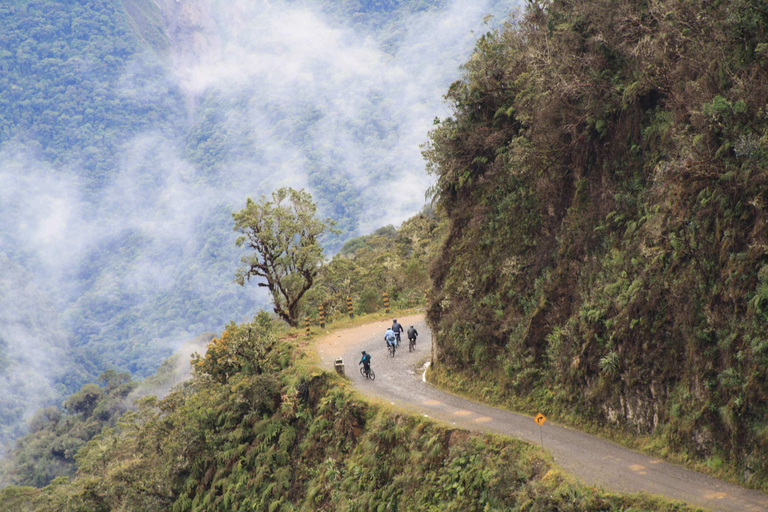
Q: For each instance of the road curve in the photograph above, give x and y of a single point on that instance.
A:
(592, 460)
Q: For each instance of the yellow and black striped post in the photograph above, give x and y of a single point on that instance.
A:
(321, 312)
(386, 301)
(426, 296)
(306, 324)
(349, 308)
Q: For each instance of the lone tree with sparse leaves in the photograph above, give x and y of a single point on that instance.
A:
(284, 235)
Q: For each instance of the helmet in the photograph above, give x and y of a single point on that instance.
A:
(363, 351)
(394, 319)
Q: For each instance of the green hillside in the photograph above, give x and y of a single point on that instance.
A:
(604, 173)
(257, 429)
(597, 252)
(388, 260)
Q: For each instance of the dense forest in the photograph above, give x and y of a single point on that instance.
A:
(604, 173)
(63, 89)
(130, 130)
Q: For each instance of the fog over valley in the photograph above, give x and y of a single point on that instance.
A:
(130, 131)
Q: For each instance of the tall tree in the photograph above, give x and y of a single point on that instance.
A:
(284, 233)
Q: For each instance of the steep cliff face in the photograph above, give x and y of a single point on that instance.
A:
(605, 177)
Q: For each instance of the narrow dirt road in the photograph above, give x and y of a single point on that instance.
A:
(592, 460)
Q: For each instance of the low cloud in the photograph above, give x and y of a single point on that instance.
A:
(373, 101)
(296, 97)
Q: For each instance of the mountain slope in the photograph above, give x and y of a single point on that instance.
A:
(604, 173)
(130, 130)
(256, 429)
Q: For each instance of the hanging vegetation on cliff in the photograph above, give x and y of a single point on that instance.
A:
(604, 175)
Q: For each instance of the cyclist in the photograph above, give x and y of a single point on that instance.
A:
(412, 333)
(397, 329)
(390, 337)
(366, 362)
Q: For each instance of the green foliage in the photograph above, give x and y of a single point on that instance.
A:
(48, 451)
(389, 260)
(60, 83)
(284, 234)
(241, 348)
(272, 437)
(603, 175)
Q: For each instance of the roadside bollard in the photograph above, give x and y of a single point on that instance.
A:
(349, 308)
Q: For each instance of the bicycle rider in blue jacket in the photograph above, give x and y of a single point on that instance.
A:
(390, 338)
(366, 362)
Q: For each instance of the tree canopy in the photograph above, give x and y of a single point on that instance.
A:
(284, 234)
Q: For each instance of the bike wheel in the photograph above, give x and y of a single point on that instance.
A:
(362, 371)
(371, 375)
(394, 347)
(411, 345)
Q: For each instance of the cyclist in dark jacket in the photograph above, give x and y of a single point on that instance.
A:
(412, 333)
(397, 329)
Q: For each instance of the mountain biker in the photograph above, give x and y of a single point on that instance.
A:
(412, 333)
(397, 329)
(366, 362)
(390, 338)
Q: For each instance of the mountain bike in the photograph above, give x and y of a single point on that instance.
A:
(392, 347)
(369, 374)
(411, 344)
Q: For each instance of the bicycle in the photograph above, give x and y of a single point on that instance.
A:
(369, 374)
(411, 344)
(392, 347)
